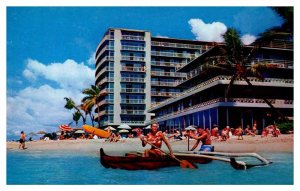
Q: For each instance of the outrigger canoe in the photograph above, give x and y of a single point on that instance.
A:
(137, 162)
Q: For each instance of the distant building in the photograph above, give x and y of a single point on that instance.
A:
(203, 102)
(135, 70)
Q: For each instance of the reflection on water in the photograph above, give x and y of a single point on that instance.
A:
(47, 168)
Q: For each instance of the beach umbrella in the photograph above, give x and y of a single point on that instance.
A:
(136, 129)
(124, 126)
(41, 132)
(191, 127)
(79, 131)
(65, 127)
(110, 127)
(123, 131)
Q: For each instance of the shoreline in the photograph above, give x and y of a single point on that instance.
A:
(283, 143)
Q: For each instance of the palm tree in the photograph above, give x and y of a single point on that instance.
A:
(76, 117)
(70, 104)
(238, 61)
(87, 108)
(91, 99)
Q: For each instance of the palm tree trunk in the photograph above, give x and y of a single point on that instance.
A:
(229, 86)
(91, 119)
(267, 101)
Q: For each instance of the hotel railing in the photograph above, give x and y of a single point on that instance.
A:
(105, 69)
(105, 101)
(103, 50)
(132, 112)
(170, 64)
(133, 69)
(274, 63)
(131, 37)
(134, 48)
(132, 90)
(133, 122)
(133, 101)
(171, 74)
(105, 112)
(167, 94)
(159, 83)
(133, 58)
(106, 37)
(132, 79)
(172, 54)
(280, 44)
(251, 79)
(106, 58)
(179, 45)
(106, 79)
(218, 100)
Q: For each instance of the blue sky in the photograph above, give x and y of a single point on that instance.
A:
(50, 49)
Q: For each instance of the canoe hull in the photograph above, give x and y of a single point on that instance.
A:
(135, 162)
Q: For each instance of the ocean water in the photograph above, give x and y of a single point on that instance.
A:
(71, 168)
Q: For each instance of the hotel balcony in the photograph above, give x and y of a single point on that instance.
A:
(104, 112)
(133, 48)
(104, 102)
(105, 91)
(277, 82)
(272, 63)
(132, 101)
(168, 74)
(133, 69)
(132, 37)
(132, 112)
(132, 90)
(105, 69)
(133, 58)
(131, 79)
(104, 80)
(133, 123)
(104, 59)
(106, 48)
(235, 102)
(179, 45)
(105, 38)
(280, 44)
(168, 64)
(169, 84)
(172, 54)
(164, 94)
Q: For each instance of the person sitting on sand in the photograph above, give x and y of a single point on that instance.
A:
(224, 134)
(22, 140)
(275, 131)
(155, 138)
(239, 133)
(204, 137)
(254, 129)
(215, 132)
(62, 136)
(265, 132)
(117, 137)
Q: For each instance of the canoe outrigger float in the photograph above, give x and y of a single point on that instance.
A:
(135, 161)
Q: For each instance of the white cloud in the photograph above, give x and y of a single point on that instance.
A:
(91, 60)
(208, 31)
(68, 75)
(42, 108)
(248, 39)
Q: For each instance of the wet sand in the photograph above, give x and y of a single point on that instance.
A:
(283, 143)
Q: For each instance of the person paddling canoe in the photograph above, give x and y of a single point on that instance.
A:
(204, 137)
(156, 138)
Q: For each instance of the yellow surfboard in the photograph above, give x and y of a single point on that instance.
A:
(99, 132)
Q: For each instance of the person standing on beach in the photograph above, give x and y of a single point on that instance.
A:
(204, 137)
(22, 140)
(155, 138)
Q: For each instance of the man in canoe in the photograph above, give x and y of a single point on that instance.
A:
(204, 137)
(155, 137)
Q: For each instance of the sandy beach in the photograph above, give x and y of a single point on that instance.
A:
(283, 143)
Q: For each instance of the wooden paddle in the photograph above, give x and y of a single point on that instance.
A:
(183, 163)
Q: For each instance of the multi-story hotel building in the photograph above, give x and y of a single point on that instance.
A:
(135, 70)
(203, 103)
